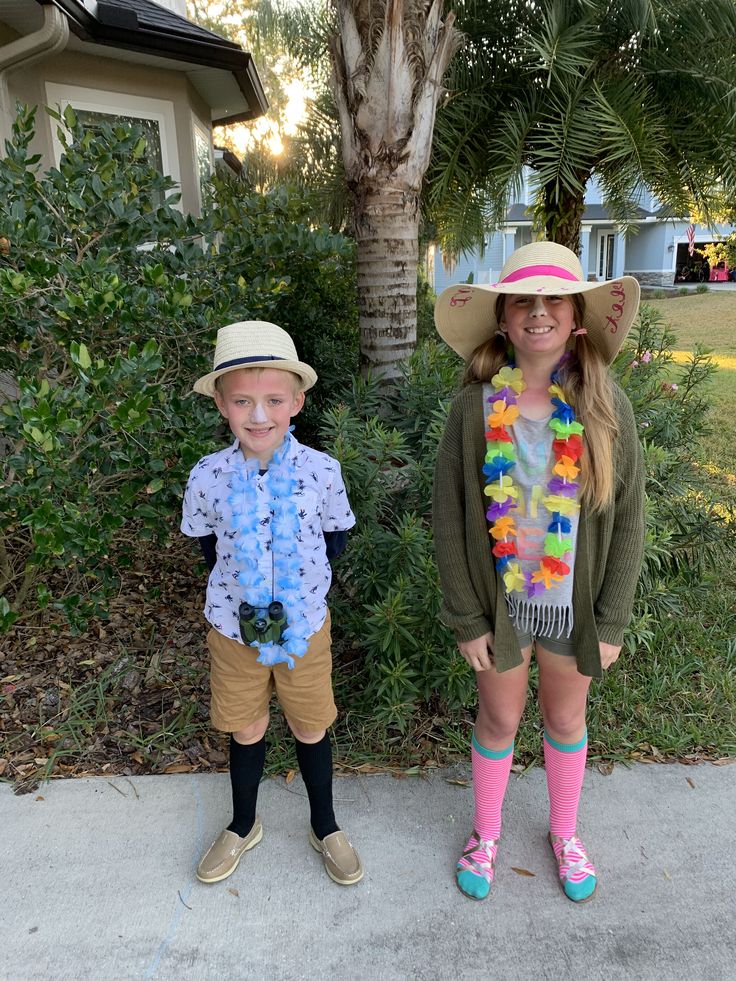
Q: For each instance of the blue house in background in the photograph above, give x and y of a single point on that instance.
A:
(654, 249)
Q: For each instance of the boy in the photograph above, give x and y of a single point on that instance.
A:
(269, 514)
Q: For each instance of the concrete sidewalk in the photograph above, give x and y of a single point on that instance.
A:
(97, 882)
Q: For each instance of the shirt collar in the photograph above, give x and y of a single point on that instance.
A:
(233, 456)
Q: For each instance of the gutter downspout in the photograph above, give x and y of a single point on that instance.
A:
(52, 37)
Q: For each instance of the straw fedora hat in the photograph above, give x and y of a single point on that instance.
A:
(465, 315)
(254, 344)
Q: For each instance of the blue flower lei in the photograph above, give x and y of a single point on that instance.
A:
(279, 483)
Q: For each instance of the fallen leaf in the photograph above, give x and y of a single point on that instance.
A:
(691, 782)
(459, 783)
(523, 872)
(605, 768)
(667, 876)
(233, 891)
(290, 776)
(137, 756)
(178, 768)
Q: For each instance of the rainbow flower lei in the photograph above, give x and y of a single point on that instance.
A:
(562, 499)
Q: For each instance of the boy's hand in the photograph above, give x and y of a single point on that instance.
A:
(478, 653)
(609, 654)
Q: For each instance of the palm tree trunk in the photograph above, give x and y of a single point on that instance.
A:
(563, 216)
(388, 62)
(386, 231)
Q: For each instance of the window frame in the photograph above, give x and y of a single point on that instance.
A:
(120, 104)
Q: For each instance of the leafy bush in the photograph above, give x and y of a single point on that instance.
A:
(388, 596)
(111, 301)
(688, 531)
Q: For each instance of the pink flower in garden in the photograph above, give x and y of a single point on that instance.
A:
(634, 364)
(646, 357)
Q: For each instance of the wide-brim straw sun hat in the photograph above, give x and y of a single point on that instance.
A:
(254, 344)
(465, 314)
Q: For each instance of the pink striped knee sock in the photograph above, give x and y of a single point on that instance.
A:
(564, 764)
(491, 769)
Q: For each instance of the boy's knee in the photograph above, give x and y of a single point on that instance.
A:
(252, 733)
(308, 736)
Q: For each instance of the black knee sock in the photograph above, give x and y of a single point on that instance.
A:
(315, 763)
(246, 770)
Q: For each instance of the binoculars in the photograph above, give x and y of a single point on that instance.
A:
(265, 624)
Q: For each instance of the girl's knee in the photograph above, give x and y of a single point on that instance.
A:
(308, 736)
(564, 724)
(252, 733)
(497, 729)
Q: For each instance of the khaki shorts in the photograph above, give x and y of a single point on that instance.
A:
(242, 688)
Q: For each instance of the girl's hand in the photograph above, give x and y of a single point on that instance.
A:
(609, 654)
(478, 653)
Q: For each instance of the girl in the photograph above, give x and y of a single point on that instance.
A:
(538, 524)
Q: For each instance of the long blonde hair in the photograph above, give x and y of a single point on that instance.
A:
(588, 388)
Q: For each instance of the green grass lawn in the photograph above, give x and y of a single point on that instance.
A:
(709, 319)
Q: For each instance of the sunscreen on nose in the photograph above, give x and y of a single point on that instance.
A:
(258, 414)
(538, 307)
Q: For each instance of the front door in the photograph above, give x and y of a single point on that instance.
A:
(605, 256)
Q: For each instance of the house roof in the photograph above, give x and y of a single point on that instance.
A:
(520, 214)
(144, 27)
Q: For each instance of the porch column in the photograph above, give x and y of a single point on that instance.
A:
(619, 253)
(585, 250)
(509, 237)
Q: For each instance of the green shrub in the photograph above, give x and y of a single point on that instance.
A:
(102, 339)
(425, 311)
(688, 530)
(387, 599)
(701, 288)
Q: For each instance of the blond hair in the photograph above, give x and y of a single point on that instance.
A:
(588, 388)
(298, 381)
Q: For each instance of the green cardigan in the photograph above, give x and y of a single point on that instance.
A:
(608, 552)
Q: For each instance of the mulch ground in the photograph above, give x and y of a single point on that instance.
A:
(129, 696)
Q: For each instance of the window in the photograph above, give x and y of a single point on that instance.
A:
(154, 116)
(203, 157)
(151, 130)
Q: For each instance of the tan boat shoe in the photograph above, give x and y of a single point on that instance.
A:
(342, 862)
(223, 856)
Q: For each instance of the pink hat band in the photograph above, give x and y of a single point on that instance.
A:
(527, 272)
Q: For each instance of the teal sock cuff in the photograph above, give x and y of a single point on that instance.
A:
(492, 754)
(567, 747)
